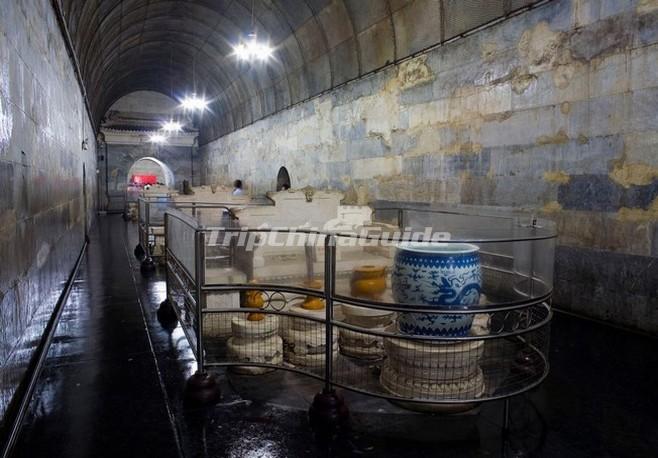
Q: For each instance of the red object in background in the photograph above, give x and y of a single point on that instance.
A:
(144, 179)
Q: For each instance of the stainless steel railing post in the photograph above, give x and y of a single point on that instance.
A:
(147, 227)
(166, 258)
(329, 285)
(199, 245)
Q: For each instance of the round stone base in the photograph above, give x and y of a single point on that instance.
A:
(360, 345)
(243, 328)
(304, 340)
(441, 371)
(307, 348)
(434, 361)
(311, 361)
(405, 387)
(256, 342)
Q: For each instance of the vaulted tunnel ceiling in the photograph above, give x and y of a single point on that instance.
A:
(181, 46)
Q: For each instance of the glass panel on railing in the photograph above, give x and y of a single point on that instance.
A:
(157, 208)
(213, 216)
(208, 215)
(420, 257)
(285, 257)
(142, 211)
(180, 242)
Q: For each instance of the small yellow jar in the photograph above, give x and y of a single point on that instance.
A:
(368, 282)
(312, 302)
(254, 299)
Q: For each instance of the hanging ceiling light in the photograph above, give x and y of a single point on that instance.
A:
(194, 103)
(157, 138)
(252, 50)
(172, 126)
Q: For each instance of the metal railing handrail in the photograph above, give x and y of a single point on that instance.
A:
(326, 237)
(197, 291)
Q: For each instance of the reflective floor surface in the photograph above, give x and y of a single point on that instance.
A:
(113, 383)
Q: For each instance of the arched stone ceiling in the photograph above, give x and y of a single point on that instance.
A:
(182, 46)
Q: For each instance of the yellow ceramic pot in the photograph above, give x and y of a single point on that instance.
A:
(312, 302)
(254, 299)
(369, 282)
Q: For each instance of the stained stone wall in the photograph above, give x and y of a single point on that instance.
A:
(42, 126)
(554, 110)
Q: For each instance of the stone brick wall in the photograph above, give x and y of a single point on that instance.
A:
(42, 126)
(554, 110)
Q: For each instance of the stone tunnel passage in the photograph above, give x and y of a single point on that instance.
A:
(544, 107)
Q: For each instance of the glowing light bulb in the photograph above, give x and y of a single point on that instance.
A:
(240, 50)
(253, 50)
(194, 103)
(172, 126)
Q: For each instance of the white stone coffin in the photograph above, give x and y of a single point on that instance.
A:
(301, 209)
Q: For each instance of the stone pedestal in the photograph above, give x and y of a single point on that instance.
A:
(304, 340)
(433, 371)
(361, 345)
(257, 342)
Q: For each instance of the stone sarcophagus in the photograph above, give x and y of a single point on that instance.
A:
(283, 246)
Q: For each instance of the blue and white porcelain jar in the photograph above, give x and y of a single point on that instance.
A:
(444, 275)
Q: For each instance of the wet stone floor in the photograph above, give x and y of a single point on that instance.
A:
(113, 383)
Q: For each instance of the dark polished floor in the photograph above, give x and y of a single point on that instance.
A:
(114, 378)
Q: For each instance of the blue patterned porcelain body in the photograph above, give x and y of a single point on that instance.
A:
(444, 275)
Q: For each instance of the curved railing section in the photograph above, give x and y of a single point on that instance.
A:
(342, 307)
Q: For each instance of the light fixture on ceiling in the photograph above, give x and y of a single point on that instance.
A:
(172, 126)
(194, 103)
(157, 138)
(251, 49)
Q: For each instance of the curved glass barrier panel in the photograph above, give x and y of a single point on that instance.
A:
(423, 307)
(180, 240)
(157, 208)
(289, 258)
(446, 260)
